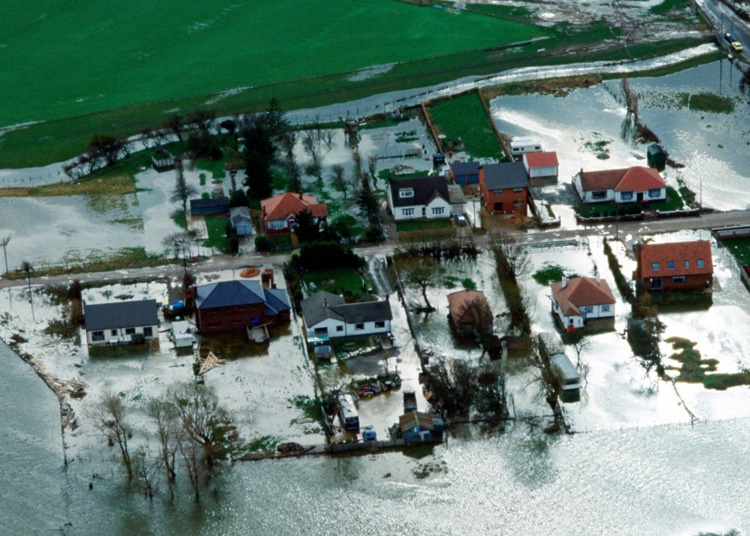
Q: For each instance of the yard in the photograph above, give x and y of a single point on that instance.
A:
(338, 281)
(465, 122)
(739, 248)
(423, 225)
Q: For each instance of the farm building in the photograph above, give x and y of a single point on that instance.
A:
(504, 187)
(419, 198)
(238, 305)
(674, 266)
(327, 315)
(576, 301)
(280, 212)
(206, 207)
(637, 184)
(465, 172)
(121, 322)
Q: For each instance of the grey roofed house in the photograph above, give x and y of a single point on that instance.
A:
(118, 315)
(465, 168)
(505, 175)
(324, 305)
(214, 205)
(240, 218)
(425, 190)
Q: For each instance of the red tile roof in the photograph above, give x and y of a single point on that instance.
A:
(547, 159)
(635, 179)
(280, 207)
(677, 253)
(581, 291)
(640, 179)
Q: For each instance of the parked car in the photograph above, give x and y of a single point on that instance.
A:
(736, 45)
(410, 401)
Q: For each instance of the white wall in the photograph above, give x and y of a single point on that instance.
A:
(547, 171)
(349, 329)
(110, 334)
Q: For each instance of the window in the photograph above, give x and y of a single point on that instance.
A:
(277, 225)
(113, 332)
(129, 331)
(438, 211)
(588, 309)
(626, 196)
(679, 279)
(687, 264)
(405, 193)
(97, 336)
(670, 265)
(339, 328)
(148, 331)
(407, 212)
(359, 327)
(601, 194)
(604, 308)
(380, 324)
(655, 266)
(654, 192)
(518, 203)
(699, 263)
(320, 332)
(517, 190)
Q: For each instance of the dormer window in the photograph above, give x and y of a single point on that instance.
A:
(405, 193)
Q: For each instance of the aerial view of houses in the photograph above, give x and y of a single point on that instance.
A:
(392, 267)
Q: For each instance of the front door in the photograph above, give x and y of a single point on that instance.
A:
(655, 283)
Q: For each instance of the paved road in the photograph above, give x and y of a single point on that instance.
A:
(631, 231)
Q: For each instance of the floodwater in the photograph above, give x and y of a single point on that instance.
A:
(658, 480)
(712, 146)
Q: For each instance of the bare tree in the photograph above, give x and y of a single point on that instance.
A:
(175, 125)
(474, 318)
(204, 421)
(27, 268)
(147, 137)
(182, 191)
(144, 470)
(5, 241)
(109, 419)
(191, 458)
(181, 243)
(339, 178)
(421, 273)
(203, 120)
(105, 147)
(512, 259)
(168, 433)
(549, 381)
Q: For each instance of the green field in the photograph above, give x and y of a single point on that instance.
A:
(464, 117)
(63, 59)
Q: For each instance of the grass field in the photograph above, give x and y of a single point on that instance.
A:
(340, 280)
(104, 55)
(464, 117)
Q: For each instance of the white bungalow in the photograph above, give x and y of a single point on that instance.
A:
(327, 315)
(637, 184)
(580, 299)
(121, 322)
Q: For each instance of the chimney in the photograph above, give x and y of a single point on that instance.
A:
(564, 282)
(325, 302)
(598, 278)
(300, 194)
(264, 211)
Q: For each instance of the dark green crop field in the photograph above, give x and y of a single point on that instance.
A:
(61, 59)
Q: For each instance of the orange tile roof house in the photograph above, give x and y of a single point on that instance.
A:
(637, 184)
(577, 300)
(675, 265)
(469, 312)
(279, 212)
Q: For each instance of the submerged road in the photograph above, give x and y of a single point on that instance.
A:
(629, 231)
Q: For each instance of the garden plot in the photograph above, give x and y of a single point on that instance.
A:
(257, 391)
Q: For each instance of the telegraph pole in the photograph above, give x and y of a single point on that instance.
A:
(5, 241)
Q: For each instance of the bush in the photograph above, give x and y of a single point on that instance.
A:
(238, 199)
(263, 243)
(374, 234)
(323, 255)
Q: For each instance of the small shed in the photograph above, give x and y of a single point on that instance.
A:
(465, 172)
(570, 379)
(656, 156)
(205, 207)
(182, 336)
(241, 222)
(417, 426)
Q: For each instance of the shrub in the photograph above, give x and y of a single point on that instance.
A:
(263, 243)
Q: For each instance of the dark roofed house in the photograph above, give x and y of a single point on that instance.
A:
(239, 305)
(465, 172)
(327, 315)
(124, 321)
(419, 198)
(206, 207)
(637, 184)
(675, 265)
(578, 300)
(504, 187)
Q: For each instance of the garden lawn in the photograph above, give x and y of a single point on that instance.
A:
(338, 281)
(464, 118)
(422, 225)
(739, 248)
(112, 53)
(217, 233)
